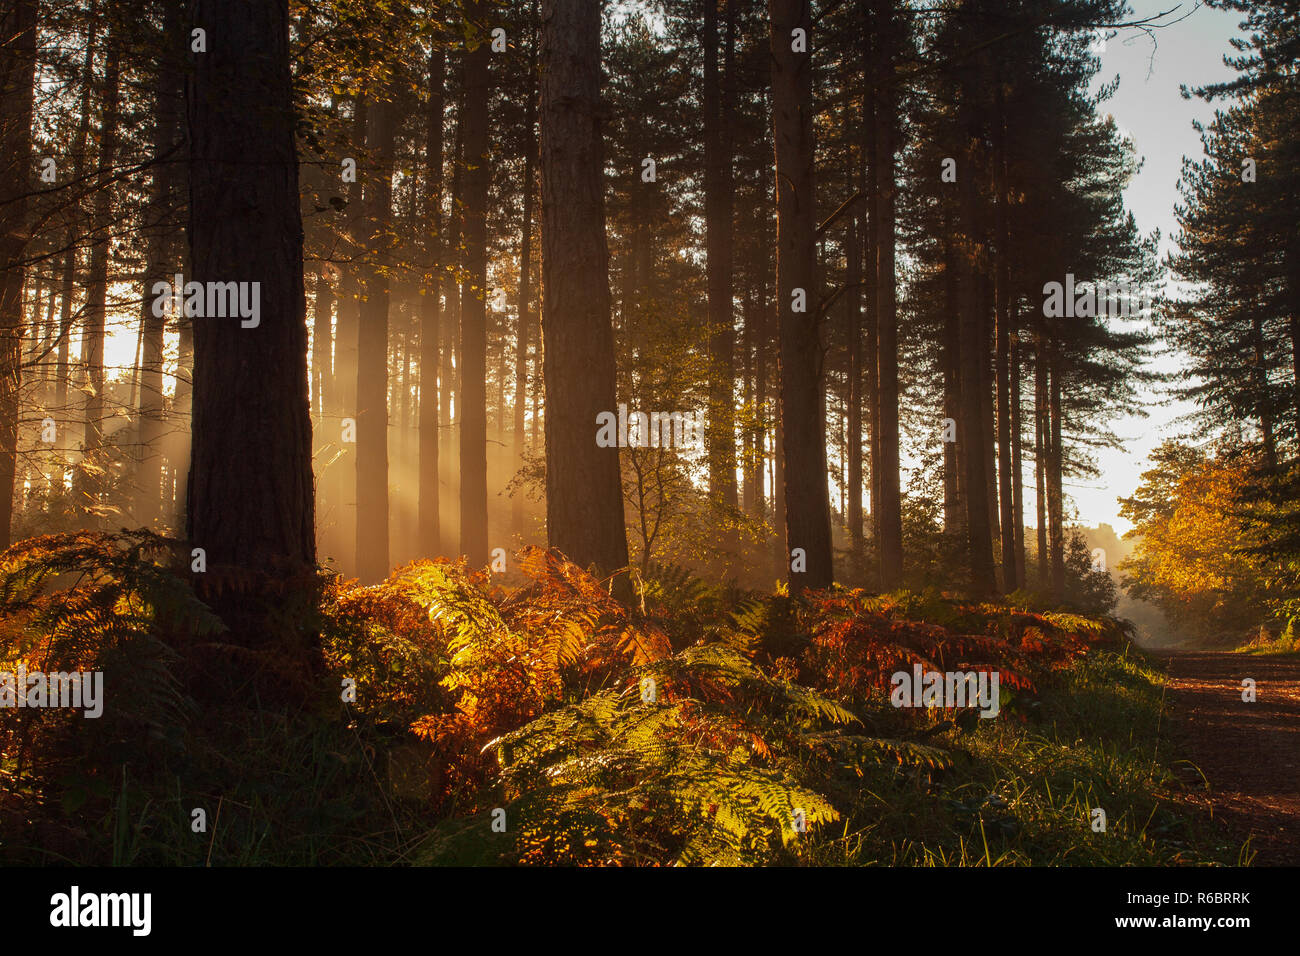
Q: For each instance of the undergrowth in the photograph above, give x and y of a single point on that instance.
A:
(461, 722)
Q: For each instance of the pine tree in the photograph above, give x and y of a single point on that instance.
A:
(250, 500)
(584, 506)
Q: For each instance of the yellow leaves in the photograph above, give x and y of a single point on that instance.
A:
(1196, 548)
(642, 642)
(1193, 555)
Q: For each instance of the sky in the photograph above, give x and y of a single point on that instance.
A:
(1150, 109)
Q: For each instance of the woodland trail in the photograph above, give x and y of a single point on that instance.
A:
(1249, 752)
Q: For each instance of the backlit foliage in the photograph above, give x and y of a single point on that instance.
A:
(542, 709)
(696, 727)
(87, 601)
(1193, 557)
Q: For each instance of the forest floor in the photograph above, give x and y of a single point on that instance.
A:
(1249, 753)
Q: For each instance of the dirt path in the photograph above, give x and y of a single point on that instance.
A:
(1249, 752)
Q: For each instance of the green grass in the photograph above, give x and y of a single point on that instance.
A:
(1020, 792)
(277, 791)
(1285, 644)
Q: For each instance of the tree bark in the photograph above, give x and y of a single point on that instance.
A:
(69, 265)
(807, 501)
(988, 406)
(1292, 280)
(525, 271)
(758, 318)
(888, 512)
(584, 499)
(719, 196)
(1055, 469)
(17, 97)
(1040, 455)
(429, 517)
(853, 280)
(168, 98)
(90, 474)
(1017, 465)
(853, 329)
(1260, 376)
(749, 472)
(371, 409)
(250, 501)
(954, 520)
(473, 314)
(322, 335)
(1002, 321)
(453, 354)
(871, 337)
(346, 338)
(972, 349)
(373, 542)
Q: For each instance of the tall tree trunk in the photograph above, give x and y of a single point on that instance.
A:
(250, 502)
(1294, 327)
(888, 512)
(343, 473)
(1260, 376)
(757, 316)
(1017, 465)
(17, 98)
(584, 499)
(1002, 320)
(972, 350)
(499, 324)
(1002, 383)
(1055, 469)
(372, 350)
(1040, 454)
(1292, 280)
(69, 266)
(322, 335)
(853, 329)
(525, 270)
(719, 195)
(453, 353)
(871, 338)
(169, 91)
(853, 280)
(429, 519)
(807, 501)
(473, 315)
(750, 489)
(48, 339)
(179, 446)
(988, 407)
(90, 474)
(781, 556)
(954, 520)
(772, 336)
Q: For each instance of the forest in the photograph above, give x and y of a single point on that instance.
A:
(629, 432)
